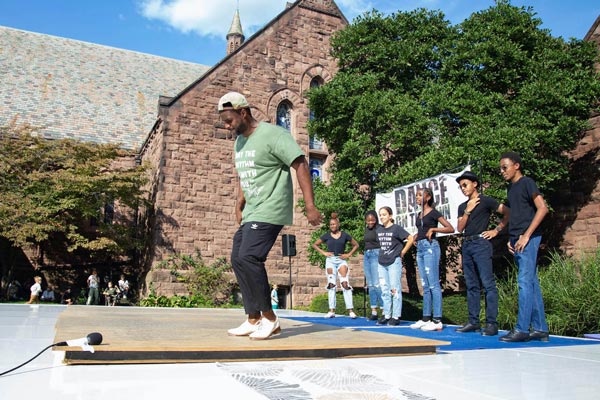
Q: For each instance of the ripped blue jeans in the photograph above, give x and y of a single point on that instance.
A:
(428, 261)
(390, 283)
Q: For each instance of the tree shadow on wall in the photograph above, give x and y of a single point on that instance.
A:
(567, 202)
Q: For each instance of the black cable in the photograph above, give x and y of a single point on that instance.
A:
(34, 357)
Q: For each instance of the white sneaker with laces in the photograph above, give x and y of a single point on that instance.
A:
(266, 329)
(244, 329)
(330, 315)
(352, 315)
(417, 325)
(432, 326)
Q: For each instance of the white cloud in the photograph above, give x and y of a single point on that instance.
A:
(211, 17)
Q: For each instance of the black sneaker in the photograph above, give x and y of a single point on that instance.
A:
(394, 322)
(383, 321)
(372, 317)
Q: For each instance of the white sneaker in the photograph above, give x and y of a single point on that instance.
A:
(352, 315)
(266, 329)
(330, 315)
(432, 326)
(417, 325)
(244, 329)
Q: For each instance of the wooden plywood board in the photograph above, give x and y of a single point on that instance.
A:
(167, 335)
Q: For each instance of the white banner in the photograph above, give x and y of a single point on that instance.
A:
(446, 195)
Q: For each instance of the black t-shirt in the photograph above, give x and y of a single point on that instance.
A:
(336, 246)
(522, 207)
(479, 219)
(391, 241)
(424, 224)
(371, 240)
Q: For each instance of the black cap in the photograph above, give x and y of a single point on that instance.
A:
(468, 175)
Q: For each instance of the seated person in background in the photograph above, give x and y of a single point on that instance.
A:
(123, 286)
(67, 297)
(110, 295)
(13, 291)
(48, 295)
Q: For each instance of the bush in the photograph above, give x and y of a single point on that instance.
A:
(570, 293)
(208, 285)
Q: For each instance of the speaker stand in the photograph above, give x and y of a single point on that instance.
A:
(291, 303)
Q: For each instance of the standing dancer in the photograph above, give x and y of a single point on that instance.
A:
(527, 211)
(336, 263)
(473, 220)
(428, 260)
(371, 263)
(391, 238)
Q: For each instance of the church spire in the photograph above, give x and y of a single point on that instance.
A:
(235, 37)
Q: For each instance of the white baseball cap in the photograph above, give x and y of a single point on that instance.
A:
(232, 101)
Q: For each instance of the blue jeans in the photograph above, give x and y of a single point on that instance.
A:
(390, 278)
(428, 261)
(531, 305)
(477, 264)
(371, 267)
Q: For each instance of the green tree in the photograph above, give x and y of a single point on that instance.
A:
(50, 190)
(416, 96)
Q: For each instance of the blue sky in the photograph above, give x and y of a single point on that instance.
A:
(194, 30)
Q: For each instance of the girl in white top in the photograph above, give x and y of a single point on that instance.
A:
(36, 290)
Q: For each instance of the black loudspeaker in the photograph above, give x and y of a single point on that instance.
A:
(289, 245)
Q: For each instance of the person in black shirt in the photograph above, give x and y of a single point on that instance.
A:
(336, 262)
(428, 260)
(473, 221)
(527, 210)
(371, 263)
(392, 240)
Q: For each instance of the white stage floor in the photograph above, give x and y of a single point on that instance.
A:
(567, 372)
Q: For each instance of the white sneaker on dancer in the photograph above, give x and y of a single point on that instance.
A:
(418, 325)
(244, 329)
(352, 315)
(330, 314)
(432, 326)
(266, 329)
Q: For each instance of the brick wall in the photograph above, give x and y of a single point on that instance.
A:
(580, 207)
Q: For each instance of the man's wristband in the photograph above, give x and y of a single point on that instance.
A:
(467, 212)
(498, 228)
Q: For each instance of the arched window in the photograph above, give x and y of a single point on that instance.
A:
(315, 143)
(284, 115)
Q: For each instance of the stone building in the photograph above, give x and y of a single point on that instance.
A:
(106, 95)
(196, 185)
(580, 205)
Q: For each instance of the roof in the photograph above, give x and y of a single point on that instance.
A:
(83, 90)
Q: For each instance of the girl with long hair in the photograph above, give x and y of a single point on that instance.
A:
(391, 239)
(371, 263)
(428, 260)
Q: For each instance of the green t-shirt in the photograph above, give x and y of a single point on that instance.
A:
(263, 161)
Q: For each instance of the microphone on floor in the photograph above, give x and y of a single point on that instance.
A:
(86, 343)
(92, 339)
